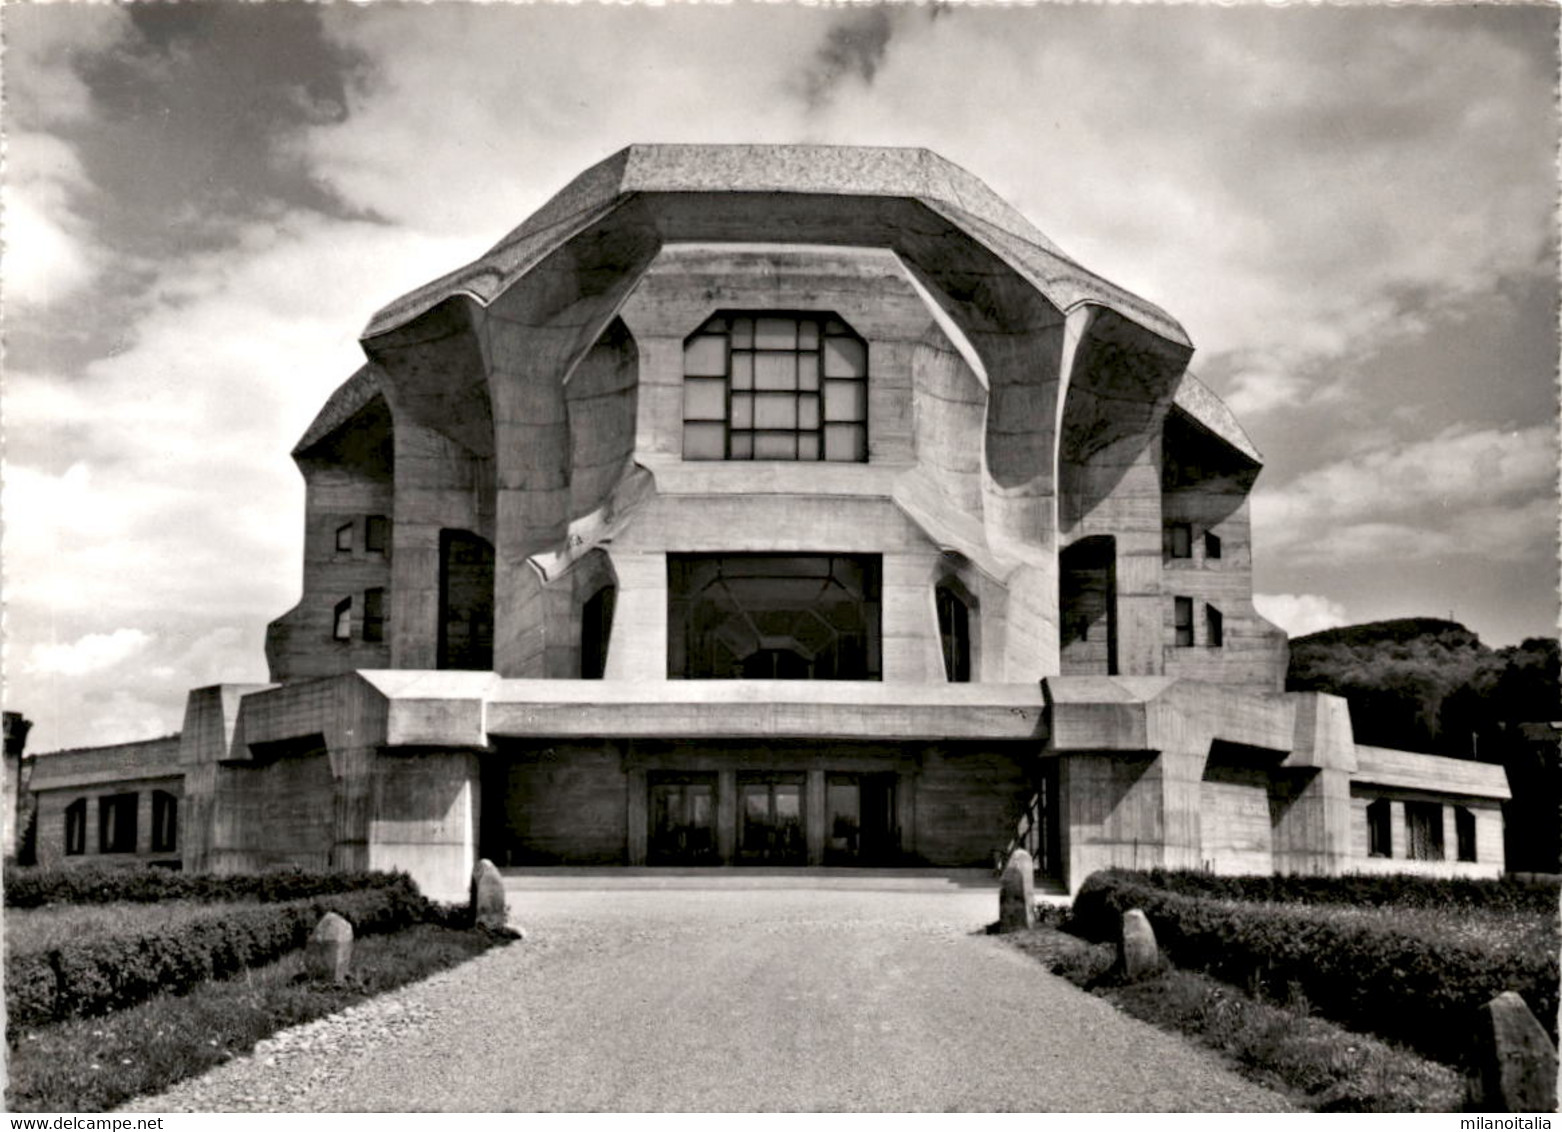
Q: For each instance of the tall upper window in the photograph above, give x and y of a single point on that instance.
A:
(373, 615)
(1214, 627)
(376, 534)
(1179, 540)
(954, 630)
(342, 620)
(1183, 621)
(765, 386)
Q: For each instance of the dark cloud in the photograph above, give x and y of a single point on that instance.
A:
(854, 49)
(194, 114)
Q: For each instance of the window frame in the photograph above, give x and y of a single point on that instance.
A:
(76, 828)
(376, 534)
(342, 620)
(1424, 831)
(1466, 836)
(1380, 828)
(117, 822)
(1212, 547)
(374, 618)
(1182, 622)
(745, 394)
(344, 538)
(1179, 541)
(165, 822)
(1214, 627)
(954, 632)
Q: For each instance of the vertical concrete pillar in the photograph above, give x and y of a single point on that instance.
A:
(638, 650)
(423, 819)
(813, 816)
(352, 774)
(727, 815)
(637, 816)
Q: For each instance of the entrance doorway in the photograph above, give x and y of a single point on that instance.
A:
(770, 820)
(682, 826)
(860, 824)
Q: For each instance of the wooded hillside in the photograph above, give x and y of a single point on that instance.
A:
(1422, 684)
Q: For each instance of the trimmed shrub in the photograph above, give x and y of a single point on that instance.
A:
(1365, 975)
(1531, 894)
(139, 884)
(94, 976)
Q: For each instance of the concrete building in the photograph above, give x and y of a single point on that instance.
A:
(788, 505)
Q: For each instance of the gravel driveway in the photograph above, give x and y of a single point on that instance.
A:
(732, 994)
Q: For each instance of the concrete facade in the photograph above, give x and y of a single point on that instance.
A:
(789, 505)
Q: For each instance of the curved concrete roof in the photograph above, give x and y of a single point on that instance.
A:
(1202, 403)
(855, 171)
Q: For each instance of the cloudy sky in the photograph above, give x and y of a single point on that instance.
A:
(1351, 211)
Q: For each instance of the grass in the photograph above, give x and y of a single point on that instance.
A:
(1321, 1066)
(93, 1064)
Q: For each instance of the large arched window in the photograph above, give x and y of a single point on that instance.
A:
(771, 386)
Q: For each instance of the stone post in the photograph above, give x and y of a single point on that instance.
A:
(488, 902)
(1515, 1062)
(1137, 953)
(329, 952)
(1017, 894)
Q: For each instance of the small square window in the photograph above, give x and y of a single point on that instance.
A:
(1179, 540)
(1184, 621)
(1215, 627)
(344, 538)
(342, 620)
(1211, 545)
(376, 534)
(374, 615)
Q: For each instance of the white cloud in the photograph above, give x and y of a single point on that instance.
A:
(49, 252)
(93, 653)
(1481, 492)
(1300, 614)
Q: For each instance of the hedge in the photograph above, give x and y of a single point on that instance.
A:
(94, 976)
(1362, 890)
(135, 884)
(1364, 975)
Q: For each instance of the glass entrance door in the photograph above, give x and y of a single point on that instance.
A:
(770, 821)
(682, 821)
(861, 827)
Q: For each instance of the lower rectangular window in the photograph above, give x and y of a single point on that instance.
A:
(117, 823)
(1464, 830)
(1425, 823)
(1380, 828)
(76, 828)
(165, 821)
